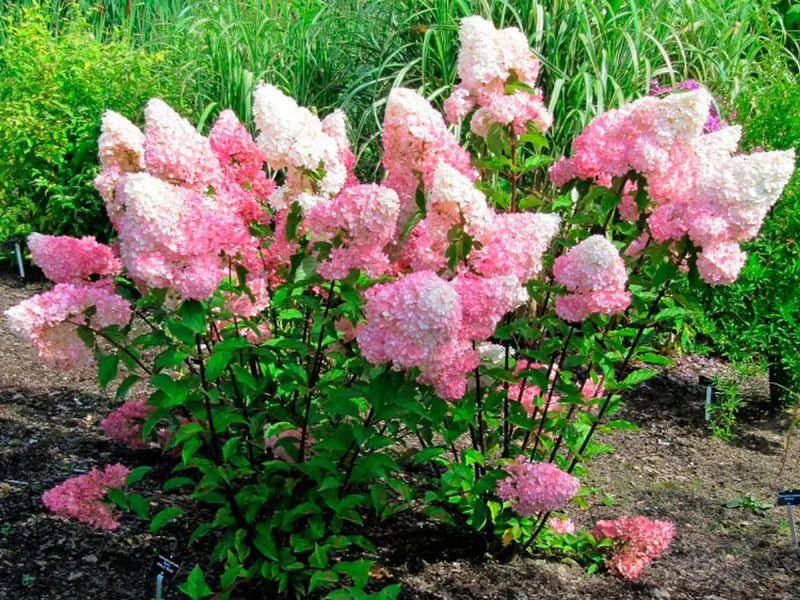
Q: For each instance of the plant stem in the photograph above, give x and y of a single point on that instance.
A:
(312, 380)
(559, 357)
(629, 355)
(116, 345)
(552, 390)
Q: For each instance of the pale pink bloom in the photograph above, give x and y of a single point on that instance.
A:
(421, 251)
(82, 497)
(280, 447)
(453, 200)
(721, 263)
(515, 243)
(637, 245)
(561, 525)
(243, 305)
(42, 319)
(291, 137)
(335, 126)
(124, 423)
(175, 151)
(411, 322)
(278, 254)
(594, 274)
(487, 61)
(415, 141)
(577, 307)
(242, 163)
(67, 259)
(346, 329)
(458, 104)
(637, 541)
(364, 217)
(484, 301)
(536, 487)
(121, 150)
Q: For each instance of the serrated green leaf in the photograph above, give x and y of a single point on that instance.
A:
(164, 516)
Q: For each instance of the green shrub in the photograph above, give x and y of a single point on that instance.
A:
(757, 317)
(53, 89)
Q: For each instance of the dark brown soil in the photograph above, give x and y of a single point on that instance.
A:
(672, 468)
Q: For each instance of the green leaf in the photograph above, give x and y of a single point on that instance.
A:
(357, 570)
(638, 376)
(107, 369)
(319, 558)
(654, 359)
(264, 542)
(322, 579)
(195, 586)
(126, 385)
(164, 517)
(176, 482)
(193, 315)
(136, 474)
(139, 504)
(217, 363)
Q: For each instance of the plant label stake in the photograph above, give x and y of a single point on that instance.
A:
(709, 383)
(18, 253)
(164, 566)
(790, 499)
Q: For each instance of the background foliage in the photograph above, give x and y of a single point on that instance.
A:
(53, 90)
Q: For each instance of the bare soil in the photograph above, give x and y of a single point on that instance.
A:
(672, 468)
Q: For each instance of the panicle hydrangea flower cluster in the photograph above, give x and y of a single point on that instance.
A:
(280, 448)
(65, 259)
(536, 487)
(637, 541)
(415, 140)
(594, 274)
(700, 187)
(81, 497)
(561, 525)
(489, 60)
(314, 154)
(49, 320)
(365, 217)
(421, 320)
(124, 423)
(179, 199)
(715, 121)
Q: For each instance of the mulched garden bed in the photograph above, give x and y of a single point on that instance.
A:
(672, 468)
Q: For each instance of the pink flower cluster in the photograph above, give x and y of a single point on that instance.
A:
(180, 200)
(489, 60)
(49, 320)
(81, 497)
(536, 487)
(315, 154)
(531, 393)
(280, 448)
(124, 423)
(637, 541)
(594, 274)
(65, 259)
(561, 525)
(415, 142)
(700, 187)
(421, 320)
(364, 217)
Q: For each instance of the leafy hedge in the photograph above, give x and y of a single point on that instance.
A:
(53, 89)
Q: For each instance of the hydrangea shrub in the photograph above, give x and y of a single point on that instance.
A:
(318, 353)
